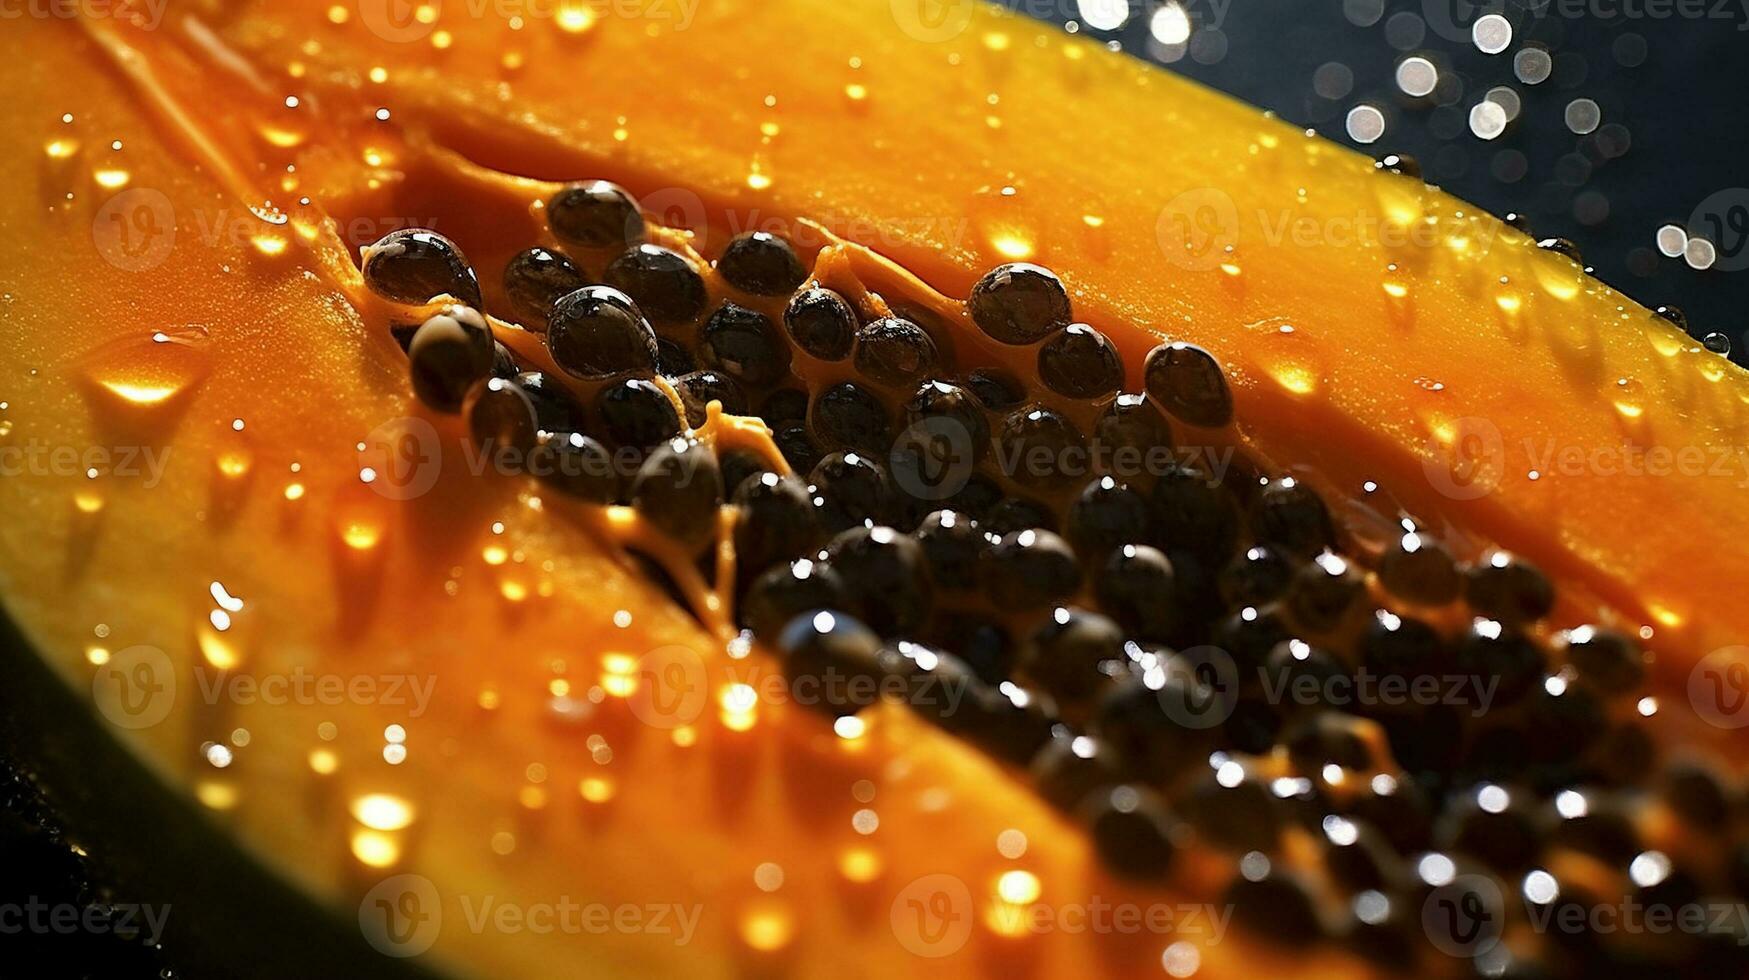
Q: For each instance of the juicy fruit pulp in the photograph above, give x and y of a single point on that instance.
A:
(669, 288)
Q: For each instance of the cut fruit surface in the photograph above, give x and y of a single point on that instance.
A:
(1433, 351)
(392, 671)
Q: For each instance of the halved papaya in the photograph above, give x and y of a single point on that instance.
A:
(441, 714)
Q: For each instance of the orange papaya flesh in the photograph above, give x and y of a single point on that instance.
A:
(354, 524)
(1547, 410)
(502, 795)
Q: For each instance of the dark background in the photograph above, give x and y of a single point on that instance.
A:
(1674, 94)
(1671, 78)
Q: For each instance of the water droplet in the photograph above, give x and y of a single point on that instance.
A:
(382, 811)
(111, 178)
(768, 926)
(1487, 120)
(219, 650)
(1700, 254)
(757, 178)
(280, 137)
(1561, 274)
(1663, 341)
(1402, 200)
(1582, 116)
(1712, 368)
(1672, 241)
(1492, 33)
(1507, 300)
(575, 17)
(88, 500)
(1365, 124)
(1718, 343)
(1417, 77)
(151, 371)
(234, 463)
(269, 245)
(998, 216)
(1532, 65)
(1289, 356)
